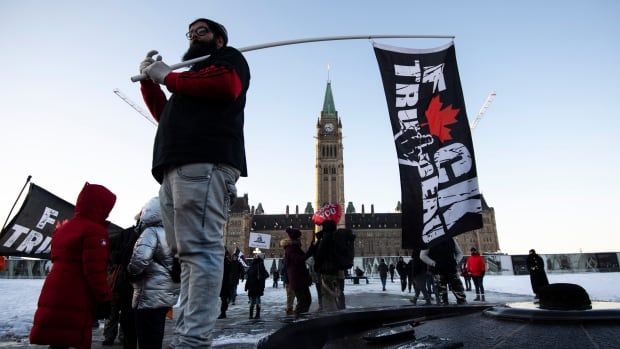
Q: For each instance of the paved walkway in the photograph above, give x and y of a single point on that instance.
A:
(237, 331)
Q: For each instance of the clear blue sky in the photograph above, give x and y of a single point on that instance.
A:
(547, 150)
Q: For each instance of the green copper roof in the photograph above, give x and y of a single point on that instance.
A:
(328, 103)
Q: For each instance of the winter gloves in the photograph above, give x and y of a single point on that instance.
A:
(155, 69)
(148, 60)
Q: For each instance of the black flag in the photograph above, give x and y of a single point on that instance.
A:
(29, 234)
(439, 185)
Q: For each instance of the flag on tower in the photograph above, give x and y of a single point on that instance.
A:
(439, 184)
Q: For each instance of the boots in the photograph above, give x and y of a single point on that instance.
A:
(428, 301)
(482, 298)
(257, 311)
(222, 316)
(414, 300)
(477, 297)
(252, 311)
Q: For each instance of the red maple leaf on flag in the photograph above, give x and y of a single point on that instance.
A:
(438, 118)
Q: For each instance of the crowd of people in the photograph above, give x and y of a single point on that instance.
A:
(133, 280)
(432, 271)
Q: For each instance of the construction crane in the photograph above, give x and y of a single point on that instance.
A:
(483, 110)
(134, 106)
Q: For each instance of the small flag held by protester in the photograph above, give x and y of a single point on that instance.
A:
(439, 184)
(259, 240)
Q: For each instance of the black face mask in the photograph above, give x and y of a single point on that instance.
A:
(199, 49)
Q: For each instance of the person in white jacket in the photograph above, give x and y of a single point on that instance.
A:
(443, 258)
(150, 270)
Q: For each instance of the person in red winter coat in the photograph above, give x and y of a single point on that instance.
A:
(76, 291)
(476, 266)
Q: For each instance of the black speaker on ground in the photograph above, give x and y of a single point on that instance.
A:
(563, 296)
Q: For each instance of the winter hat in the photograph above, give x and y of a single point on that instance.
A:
(218, 29)
(473, 249)
(293, 233)
(329, 212)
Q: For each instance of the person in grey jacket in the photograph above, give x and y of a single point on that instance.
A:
(150, 266)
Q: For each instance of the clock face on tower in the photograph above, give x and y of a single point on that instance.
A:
(329, 127)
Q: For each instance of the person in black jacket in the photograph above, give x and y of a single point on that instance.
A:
(442, 258)
(383, 270)
(124, 288)
(324, 253)
(538, 276)
(418, 276)
(236, 271)
(392, 268)
(401, 268)
(410, 275)
(255, 284)
(226, 286)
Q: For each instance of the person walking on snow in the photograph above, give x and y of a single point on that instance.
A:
(383, 270)
(418, 272)
(227, 284)
(442, 258)
(255, 284)
(401, 268)
(392, 268)
(476, 266)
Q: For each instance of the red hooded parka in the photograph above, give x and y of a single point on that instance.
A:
(476, 265)
(65, 311)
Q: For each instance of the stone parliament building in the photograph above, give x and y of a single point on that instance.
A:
(377, 234)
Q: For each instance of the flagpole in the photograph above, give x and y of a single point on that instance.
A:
(301, 41)
(15, 203)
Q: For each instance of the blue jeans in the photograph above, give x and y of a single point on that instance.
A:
(383, 280)
(195, 199)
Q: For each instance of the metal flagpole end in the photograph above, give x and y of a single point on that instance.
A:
(15, 203)
(137, 78)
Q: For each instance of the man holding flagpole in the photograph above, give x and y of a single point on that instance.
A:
(199, 154)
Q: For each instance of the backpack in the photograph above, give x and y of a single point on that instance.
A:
(345, 248)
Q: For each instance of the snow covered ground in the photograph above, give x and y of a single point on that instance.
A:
(18, 297)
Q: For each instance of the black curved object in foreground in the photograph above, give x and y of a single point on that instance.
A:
(317, 330)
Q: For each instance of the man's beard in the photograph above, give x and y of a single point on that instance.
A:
(199, 48)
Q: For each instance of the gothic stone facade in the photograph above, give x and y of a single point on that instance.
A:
(377, 234)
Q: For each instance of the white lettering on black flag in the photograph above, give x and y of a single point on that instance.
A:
(439, 184)
(29, 233)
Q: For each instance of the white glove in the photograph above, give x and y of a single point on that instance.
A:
(157, 71)
(148, 60)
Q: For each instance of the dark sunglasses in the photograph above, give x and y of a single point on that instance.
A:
(202, 31)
